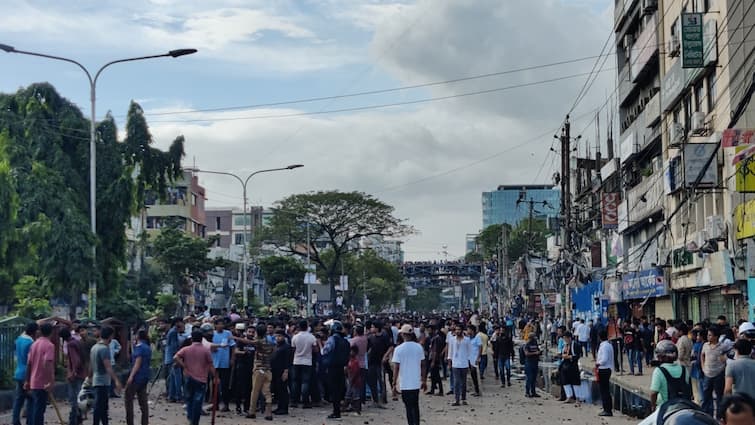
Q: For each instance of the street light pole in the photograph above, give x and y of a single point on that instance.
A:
(244, 183)
(92, 295)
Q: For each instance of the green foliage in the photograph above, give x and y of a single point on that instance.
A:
(283, 275)
(336, 218)
(167, 304)
(521, 239)
(44, 193)
(286, 303)
(473, 257)
(182, 257)
(426, 300)
(489, 240)
(255, 303)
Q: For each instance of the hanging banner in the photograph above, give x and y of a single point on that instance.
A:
(737, 137)
(610, 210)
(692, 40)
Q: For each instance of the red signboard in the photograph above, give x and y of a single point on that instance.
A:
(737, 137)
(610, 210)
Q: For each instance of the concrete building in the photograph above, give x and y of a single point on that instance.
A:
(184, 202)
(500, 206)
(228, 223)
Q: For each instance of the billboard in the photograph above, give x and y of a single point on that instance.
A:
(610, 210)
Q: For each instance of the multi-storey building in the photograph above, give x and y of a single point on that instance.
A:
(501, 206)
(685, 77)
(183, 203)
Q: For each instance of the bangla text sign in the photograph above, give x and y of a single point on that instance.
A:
(642, 284)
(692, 40)
(610, 209)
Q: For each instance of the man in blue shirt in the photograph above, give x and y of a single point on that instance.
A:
(23, 345)
(174, 377)
(222, 343)
(136, 385)
(474, 358)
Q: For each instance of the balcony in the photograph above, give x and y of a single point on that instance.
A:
(645, 199)
(644, 50)
(621, 10)
(626, 85)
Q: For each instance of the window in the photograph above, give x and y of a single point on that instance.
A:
(238, 238)
(699, 96)
(217, 223)
(238, 219)
(193, 200)
(711, 82)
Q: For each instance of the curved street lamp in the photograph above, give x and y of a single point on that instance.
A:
(244, 183)
(92, 296)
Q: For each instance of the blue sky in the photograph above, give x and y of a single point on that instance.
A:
(421, 158)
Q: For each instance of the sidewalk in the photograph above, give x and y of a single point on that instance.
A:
(637, 384)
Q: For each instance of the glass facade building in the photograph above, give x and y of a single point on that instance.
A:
(500, 206)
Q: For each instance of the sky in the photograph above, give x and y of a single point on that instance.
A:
(430, 157)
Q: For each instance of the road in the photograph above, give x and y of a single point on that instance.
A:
(496, 406)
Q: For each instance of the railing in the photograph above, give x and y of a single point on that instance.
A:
(8, 335)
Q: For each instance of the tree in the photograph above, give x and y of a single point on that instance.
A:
(183, 258)
(337, 219)
(489, 240)
(523, 241)
(45, 140)
(426, 300)
(473, 257)
(288, 271)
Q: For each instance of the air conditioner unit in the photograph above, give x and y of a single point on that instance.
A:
(649, 6)
(715, 227)
(674, 45)
(675, 134)
(698, 123)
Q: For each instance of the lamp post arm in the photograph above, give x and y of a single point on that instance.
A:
(263, 171)
(59, 58)
(102, 68)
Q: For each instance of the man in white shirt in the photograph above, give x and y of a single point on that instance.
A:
(450, 335)
(460, 350)
(302, 343)
(583, 336)
(604, 363)
(410, 368)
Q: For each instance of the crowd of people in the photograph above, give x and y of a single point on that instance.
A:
(265, 366)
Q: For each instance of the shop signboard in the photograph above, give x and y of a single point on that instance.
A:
(643, 284)
(696, 157)
(692, 40)
(744, 217)
(610, 210)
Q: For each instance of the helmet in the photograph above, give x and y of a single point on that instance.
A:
(206, 328)
(336, 327)
(688, 417)
(666, 351)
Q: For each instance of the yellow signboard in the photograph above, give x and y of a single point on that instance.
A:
(744, 217)
(745, 173)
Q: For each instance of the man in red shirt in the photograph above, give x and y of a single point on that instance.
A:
(76, 373)
(196, 362)
(40, 374)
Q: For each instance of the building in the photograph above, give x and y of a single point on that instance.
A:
(470, 243)
(183, 204)
(685, 72)
(500, 206)
(228, 223)
(388, 250)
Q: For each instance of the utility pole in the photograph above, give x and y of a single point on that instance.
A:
(566, 207)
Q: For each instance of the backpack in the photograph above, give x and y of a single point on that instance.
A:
(339, 357)
(522, 357)
(677, 388)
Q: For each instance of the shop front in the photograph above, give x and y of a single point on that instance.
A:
(646, 293)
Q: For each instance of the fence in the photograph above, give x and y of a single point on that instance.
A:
(8, 335)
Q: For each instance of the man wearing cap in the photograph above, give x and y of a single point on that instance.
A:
(747, 331)
(411, 370)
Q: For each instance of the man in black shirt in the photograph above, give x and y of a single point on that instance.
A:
(437, 344)
(532, 358)
(378, 344)
(504, 351)
(280, 362)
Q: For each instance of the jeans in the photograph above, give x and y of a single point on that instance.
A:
(301, 378)
(224, 387)
(337, 381)
(604, 381)
(411, 402)
(711, 385)
(585, 347)
(101, 398)
(140, 391)
(280, 389)
(36, 410)
(618, 357)
(475, 381)
(530, 370)
(504, 368)
(483, 364)
(635, 359)
(435, 379)
(194, 397)
(73, 400)
(374, 374)
(459, 377)
(20, 398)
(174, 382)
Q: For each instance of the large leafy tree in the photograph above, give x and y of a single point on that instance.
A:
(183, 258)
(287, 272)
(336, 220)
(44, 141)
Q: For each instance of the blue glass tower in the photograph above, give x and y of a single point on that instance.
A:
(500, 206)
